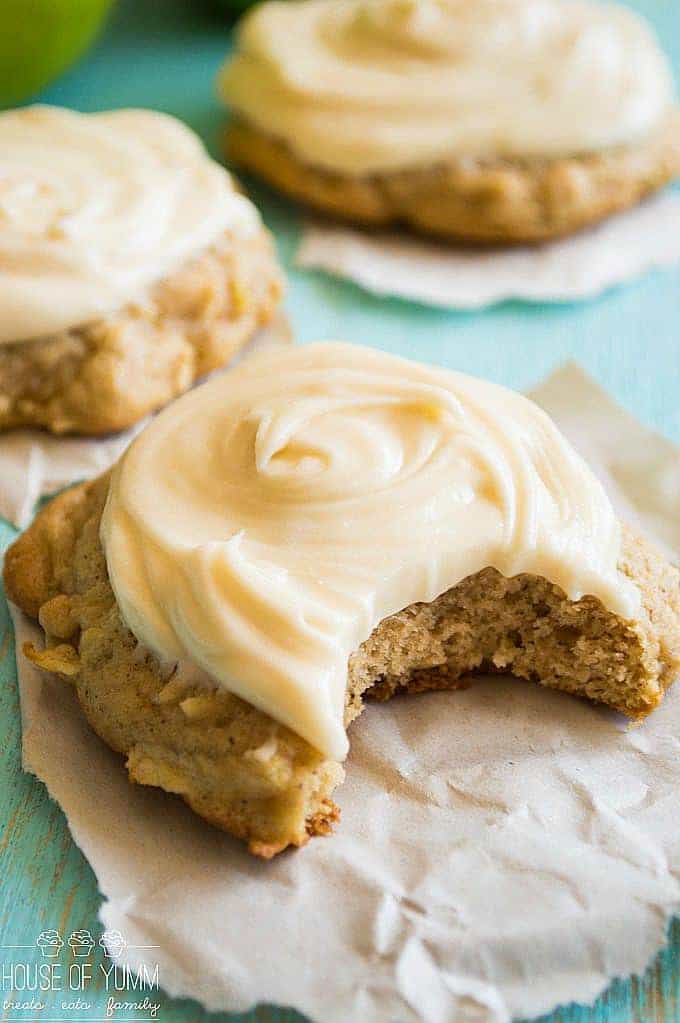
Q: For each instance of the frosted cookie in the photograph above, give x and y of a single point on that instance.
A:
(495, 121)
(321, 525)
(129, 267)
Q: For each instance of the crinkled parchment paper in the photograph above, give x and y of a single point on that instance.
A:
(33, 463)
(501, 850)
(578, 267)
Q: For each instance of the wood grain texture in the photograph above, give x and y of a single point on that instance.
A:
(165, 56)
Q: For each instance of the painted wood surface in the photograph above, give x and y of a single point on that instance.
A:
(165, 55)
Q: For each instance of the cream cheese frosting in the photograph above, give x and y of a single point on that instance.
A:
(264, 524)
(95, 207)
(362, 86)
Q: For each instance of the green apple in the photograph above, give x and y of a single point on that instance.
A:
(40, 38)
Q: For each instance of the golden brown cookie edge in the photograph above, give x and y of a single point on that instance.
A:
(480, 202)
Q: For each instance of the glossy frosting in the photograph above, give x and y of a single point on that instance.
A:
(359, 86)
(95, 207)
(264, 524)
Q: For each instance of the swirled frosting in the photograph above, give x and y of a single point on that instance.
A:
(361, 86)
(95, 207)
(264, 524)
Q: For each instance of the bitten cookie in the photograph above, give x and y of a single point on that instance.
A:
(359, 526)
(488, 122)
(130, 268)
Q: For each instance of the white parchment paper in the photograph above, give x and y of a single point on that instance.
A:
(33, 463)
(501, 850)
(578, 267)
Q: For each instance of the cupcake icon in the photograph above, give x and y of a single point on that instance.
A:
(113, 943)
(50, 944)
(81, 942)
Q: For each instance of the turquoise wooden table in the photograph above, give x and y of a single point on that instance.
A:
(164, 55)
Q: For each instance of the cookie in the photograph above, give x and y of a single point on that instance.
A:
(131, 267)
(494, 122)
(318, 526)
(108, 375)
(253, 777)
(477, 201)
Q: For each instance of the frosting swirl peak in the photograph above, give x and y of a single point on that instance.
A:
(362, 86)
(336, 485)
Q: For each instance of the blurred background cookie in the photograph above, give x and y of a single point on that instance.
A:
(130, 267)
(498, 121)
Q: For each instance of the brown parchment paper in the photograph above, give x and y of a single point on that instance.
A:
(567, 270)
